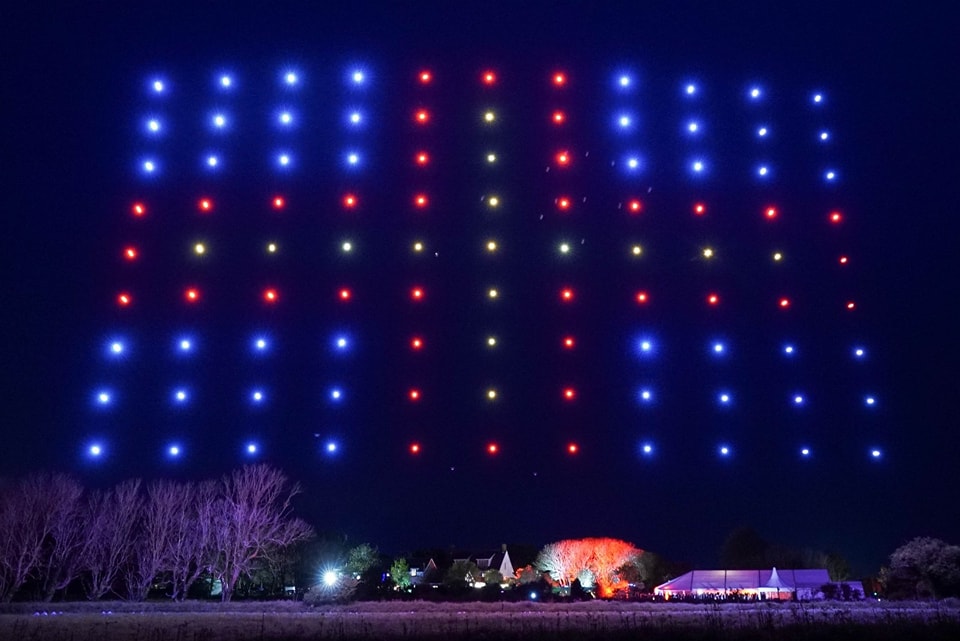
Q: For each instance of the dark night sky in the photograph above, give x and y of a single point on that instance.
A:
(72, 78)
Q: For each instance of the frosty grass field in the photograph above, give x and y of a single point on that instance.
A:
(279, 621)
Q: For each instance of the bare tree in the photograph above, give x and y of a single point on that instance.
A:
(190, 551)
(30, 513)
(111, 521)
(599, 558)
(154, 537)
(62, 555)
(254, 521)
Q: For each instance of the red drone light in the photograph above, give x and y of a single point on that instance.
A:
(422, 158)
(573, 448)
(414, 448)
(139, 209)
(634, 206)
(192, 295)
(851, 305)
(771, 212)
(559, 117)
(278, 202)
(349, 201)
(344, 294)
(422, 116)
(416, 293)
(699, 209)
(416, 343)
(493, 448)
(844, 260)
(642, 298)
(569, 394)
(420, 201)
(489, 78)
(270, 295)
(130, 253)
(205, 204)
(425, 77)
(566, 295)
(124, 299)
(569, 342)
(784, 303)
(563, 158)
(836, 217)
(563, 203)
(414, 394)
(559, 79)
(713, 299)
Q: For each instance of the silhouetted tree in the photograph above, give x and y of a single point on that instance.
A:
(927, 567)
(111, 518)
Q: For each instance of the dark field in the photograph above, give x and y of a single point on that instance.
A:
(422, 620)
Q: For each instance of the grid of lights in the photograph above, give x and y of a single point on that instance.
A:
(427, 197)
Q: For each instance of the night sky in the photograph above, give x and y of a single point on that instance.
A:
(78, 105)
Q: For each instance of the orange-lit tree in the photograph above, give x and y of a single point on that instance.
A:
(602, 558)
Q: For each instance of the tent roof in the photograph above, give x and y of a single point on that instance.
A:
(720, 580)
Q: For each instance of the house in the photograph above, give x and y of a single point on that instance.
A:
(757, 584)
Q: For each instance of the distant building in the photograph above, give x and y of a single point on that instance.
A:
(801, 585)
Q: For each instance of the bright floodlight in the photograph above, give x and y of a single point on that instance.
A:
(719, 348)
(625, 80)
(817, 98)
(180, 396)
(283, 160)
(355, 118)
(285, 117)
(104, 398)
(330, 447)
(804, 451)
(859, 352)
(353, 158)
(789, 349)
(646, 449)
(763, 170)
(341, 343)
(260, 344)
(149, 166)
(624, 121)
(646, 395)
(633, 163)
(724, 398)
(491, 158)
(185, 345)
(336, 394)
(116, 348)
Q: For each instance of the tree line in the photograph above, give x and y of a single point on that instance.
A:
(135, 537)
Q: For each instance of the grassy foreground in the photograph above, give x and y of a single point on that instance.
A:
(610, 621)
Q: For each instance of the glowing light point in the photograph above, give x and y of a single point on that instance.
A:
(489, 116)
(417, 293)
(633, 162)
(491, 341)
(283, 160)
(646, 395)
(349, 201)
(804, 451)
(755, 93)
(226, 81)
(642, 298)
(336, 394)
(798, 399)
(260, 344)
(116, 347)
(851, 305)
(625, 81)
(417, 247)
(836, 217)
(573, 448)
(693, 126)
(346, 247)
(414, 448)
(199, 249)
(697, 166)
(784, 303)
(559, 79)
(124, 299)
(558, 117)
(95, 450)
(493, 293)
(341, 343)
(212, 161)
(646, 449)
(270, 296)
(138, 209)
(355, 117)
(180, 396)
(830, 175)
(425, 77)
(130, 253)
(285, 117)
(416, 343)
(491, 394)
(564, 248)
(713, 299)
(777, 256)
(563, 158)
(422, 158)
(789, 350)
(420, 201)
(291, 78)
(357, 77)
(770, 213)
(413, 395)
(192, 295)
(724, 398)
(636, 250)
(690, 89)
(185, 345)
(104, 398)
(251, 448)
(153, 125)
(634, 206)
(493, 201)
(724, 450)
(859, 352)
(624, 121)
(708, 252)
(870, 401)
(491, 158)
(824, 136)
(149, 166)
(719, 348)
(353, 158)
(569, 394)
(569, 342)
(492, 448)
(762, 131)
(699, 209)
(491, 246)
(331, 448)
(489, 78)
(763, 170)
(344, 294)
(158, 86)
(566, 295)
(817, 98)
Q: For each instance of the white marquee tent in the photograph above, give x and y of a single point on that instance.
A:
(771, 584)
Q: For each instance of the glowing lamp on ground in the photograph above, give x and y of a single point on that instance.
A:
(270, 296)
